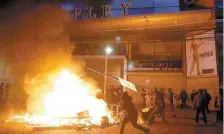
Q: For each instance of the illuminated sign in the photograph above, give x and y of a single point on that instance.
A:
(106, 12)
(154, 65)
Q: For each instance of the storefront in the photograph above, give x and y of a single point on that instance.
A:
(156, 47)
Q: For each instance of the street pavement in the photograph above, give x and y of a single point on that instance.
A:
(181, 124)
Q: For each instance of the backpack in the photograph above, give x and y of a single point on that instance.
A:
(209, 97)
(183, 95)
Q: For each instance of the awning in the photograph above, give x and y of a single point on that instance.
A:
(155, 26)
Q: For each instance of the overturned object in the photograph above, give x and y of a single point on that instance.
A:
(145, 113)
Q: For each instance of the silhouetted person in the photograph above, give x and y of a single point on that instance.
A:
(157, 107)
(131, 114)
(170, 99)
(183, 97)
(208, 98)
(219, 106)
(162, 111)
(144, 93)
(192, 97)
(148, 100)
(199, 104)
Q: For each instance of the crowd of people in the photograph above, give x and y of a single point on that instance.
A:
(154, 102)
(200, 100)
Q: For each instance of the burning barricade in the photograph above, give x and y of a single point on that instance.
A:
(69, 102)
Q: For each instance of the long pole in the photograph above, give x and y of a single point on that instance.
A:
(103, 74)
(105, 79)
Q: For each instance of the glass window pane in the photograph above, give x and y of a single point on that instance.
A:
(167, 9)
(116, 13)
(165, 3)
(117, 3)
(139, 11)
(135, 3)
(141, 3)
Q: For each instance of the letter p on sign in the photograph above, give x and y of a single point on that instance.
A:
(127, 84)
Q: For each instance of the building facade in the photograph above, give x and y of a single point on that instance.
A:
(151, 42)
(219, 37)
(154, 43)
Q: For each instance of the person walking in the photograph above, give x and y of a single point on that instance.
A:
(170, 99)
(208, 98)
(219, 106)
(192, 96)
(144, 93)
(157, 107)
(162, 112)
(147, 99)
(129, 114)
(183, 97)
(200, 104)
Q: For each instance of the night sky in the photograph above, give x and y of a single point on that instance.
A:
(4, 2)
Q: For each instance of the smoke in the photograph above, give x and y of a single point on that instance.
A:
(33, 40)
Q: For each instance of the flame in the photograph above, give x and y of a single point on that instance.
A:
(69, 96)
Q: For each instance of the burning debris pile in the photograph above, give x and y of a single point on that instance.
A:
(34, 40)
(70, 102)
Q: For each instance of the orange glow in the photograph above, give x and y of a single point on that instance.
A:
(69, 96)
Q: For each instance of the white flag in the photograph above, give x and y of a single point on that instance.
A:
(127, 84)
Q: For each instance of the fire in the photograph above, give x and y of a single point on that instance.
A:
(69, 97)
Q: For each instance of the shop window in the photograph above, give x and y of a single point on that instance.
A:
(166, 3)
(135, 3)
(166, 9)
(137, 11)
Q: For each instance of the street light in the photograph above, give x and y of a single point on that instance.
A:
(108, 50)
(117, 38)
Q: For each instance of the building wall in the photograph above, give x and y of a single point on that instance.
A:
(211, 84)
(176, 81)
(157, 48)
(137, 8)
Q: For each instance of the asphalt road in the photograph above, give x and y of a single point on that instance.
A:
(181, 124)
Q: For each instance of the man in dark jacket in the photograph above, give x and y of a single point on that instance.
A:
(183, 97)
(208, 98)
(219, 106)
(131, 114)
(192, 96)
(200, 103)
(170, 99)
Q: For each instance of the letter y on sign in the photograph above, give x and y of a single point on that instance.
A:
(125, 7)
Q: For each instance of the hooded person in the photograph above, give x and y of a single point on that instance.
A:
(130, 114)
